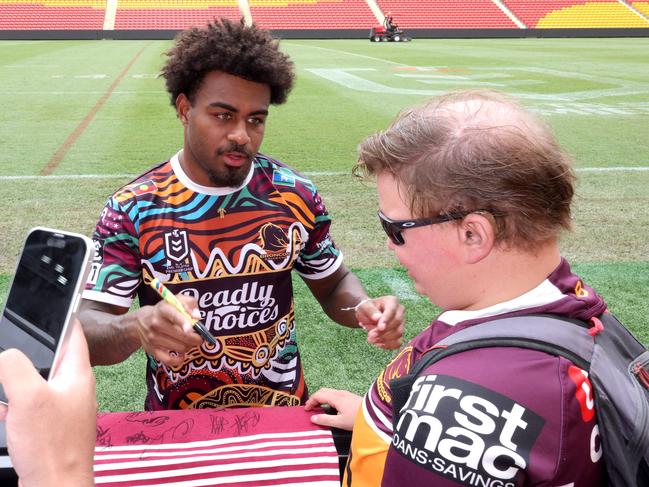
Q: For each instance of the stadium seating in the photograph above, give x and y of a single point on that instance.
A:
(320, 14)
(551, 14)
(446, 14)
(642, 7)
(52, 14)
(312, 14)
(172, 14)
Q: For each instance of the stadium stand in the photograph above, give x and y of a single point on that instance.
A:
(52, 14)
(553, 14)
(172, 14)
(312, 14)
(643, 7)
(304, 15)
(447, 14)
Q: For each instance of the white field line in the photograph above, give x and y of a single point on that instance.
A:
(19, 43)
(29, 66)
(401, 287)
(613, 169)
(116, 92)
(338, 51)
(57, 177)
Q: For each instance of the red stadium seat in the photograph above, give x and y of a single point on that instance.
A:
(322, 14)
(447, 14)
(37, 16)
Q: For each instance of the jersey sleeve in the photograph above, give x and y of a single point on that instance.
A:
(116, 268)
(373, 427)
(319, 257)
(368, 450)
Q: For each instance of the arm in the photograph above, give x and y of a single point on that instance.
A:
(51, 425)
(113, 334)
(343, 298)
(109, 332)
(340, 290)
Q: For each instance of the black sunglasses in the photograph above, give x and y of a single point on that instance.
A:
(393, 228)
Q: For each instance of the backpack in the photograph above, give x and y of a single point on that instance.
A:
(616, 362)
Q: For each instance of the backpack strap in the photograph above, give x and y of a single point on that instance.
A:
(618, 367)
(546, 333)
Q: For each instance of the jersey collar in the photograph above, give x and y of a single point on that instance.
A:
(211, 190)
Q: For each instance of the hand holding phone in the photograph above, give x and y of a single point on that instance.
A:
(51, 426)
(44, 295)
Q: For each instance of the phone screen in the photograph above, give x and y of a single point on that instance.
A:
(42, 292)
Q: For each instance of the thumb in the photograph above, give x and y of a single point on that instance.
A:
(18, 376)
(75, 356)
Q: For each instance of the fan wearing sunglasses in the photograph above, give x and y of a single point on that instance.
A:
(474, 192)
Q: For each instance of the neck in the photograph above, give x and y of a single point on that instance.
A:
(189, 166)
(509, 273)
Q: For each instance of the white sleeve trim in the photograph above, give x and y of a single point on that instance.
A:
(370, 422)
(326, 273)
(107, 298)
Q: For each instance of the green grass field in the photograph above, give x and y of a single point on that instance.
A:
(93, 113)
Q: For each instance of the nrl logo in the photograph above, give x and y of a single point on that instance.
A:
(176, 246)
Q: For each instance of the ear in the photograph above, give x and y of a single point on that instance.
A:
(476, 234)
(183, 105)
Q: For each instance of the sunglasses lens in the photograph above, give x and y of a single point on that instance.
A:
(394, 234)
(396, 237)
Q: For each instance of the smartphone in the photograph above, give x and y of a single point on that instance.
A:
(44, 295)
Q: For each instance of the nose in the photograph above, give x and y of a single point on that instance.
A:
(239, 134)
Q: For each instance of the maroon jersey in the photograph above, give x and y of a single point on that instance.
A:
(497, 417)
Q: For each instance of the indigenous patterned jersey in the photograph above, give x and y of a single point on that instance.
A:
(498, 417)
(232, 249)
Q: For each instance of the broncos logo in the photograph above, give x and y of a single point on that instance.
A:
(273, 238)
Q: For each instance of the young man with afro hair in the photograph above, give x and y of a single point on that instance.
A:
(222, 226)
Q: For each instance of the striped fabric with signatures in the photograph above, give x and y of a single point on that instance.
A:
(234, 447)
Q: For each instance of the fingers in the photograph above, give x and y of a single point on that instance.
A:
(164, 328)
(382, 313)
(169, 315)
(392, 312)
(166, 334)
(191, 306)
(385, 329)
(368, 314)
(322, 396)
(187, 335)
(346, 404)
(332, 421)
(389, 339)
(385, 343)
(156, 346)
(169, 358)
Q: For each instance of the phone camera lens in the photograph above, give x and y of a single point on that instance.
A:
(56, 242)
